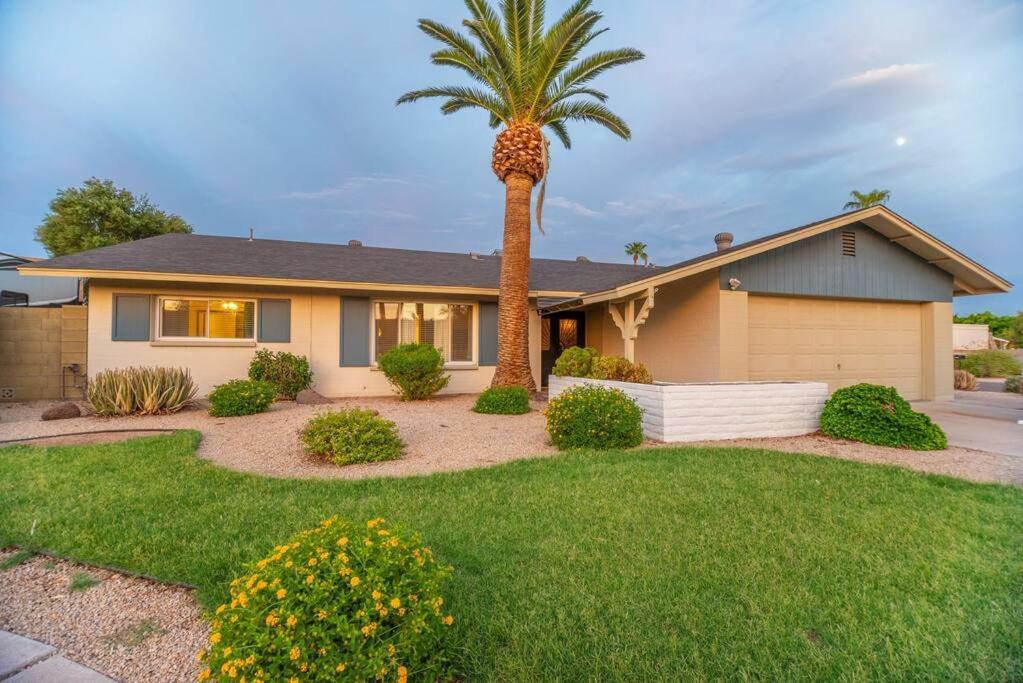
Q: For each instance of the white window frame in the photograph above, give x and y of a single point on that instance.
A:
(474, 305)
(187, 297)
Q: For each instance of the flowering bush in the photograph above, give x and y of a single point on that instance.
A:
(286, 371)
(415, 370)
(620, 370)
(341, 601)
(350, 436)
(574, 362)
(241, 397)
(503, 401)
(878, 415)
(594, 417)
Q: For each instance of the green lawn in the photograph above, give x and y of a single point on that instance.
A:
(671, 563)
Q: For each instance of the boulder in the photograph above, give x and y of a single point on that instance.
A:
(62, 411)
(308, 397)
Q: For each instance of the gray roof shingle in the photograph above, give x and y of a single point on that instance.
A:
(237, 256)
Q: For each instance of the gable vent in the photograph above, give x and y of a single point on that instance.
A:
(848, 243)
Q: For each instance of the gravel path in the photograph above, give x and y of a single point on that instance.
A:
(128, 628)
(441, 434)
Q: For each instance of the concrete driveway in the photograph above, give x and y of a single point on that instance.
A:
(983, 420)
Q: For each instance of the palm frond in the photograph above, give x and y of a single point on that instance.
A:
(485, 26)
(465, 97)
(560, 131)
(560, 46)
(589, 111)
(588, 68)
(516, 15)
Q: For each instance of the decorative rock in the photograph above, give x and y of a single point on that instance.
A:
(308, 397)
(62, 411)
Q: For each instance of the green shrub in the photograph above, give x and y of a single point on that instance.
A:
(1014, 384)
(620, 370)
(991, 363)
(594, 417)
(241, 397)
(141, 391)
(338, 602)
(878, 415)
(349, 436)
(574, 362)
(503, 401)
(415, 370)
(289, 373)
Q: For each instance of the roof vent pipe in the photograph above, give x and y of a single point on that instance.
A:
(495, 252)
(724, 240)
(582, 259)
(354, 243)
(251, 231)
(474, 255)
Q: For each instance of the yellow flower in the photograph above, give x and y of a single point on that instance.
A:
(227, 651)
(289, 564)
(390, 650)
(309, 579)
(402, 674)
(205, 674)
(232, 672)
(292, 620)
(340, 667)
(294, 654)
(321, 614)
(377, 595)
(281, 592)
(312, 561)
(214, 638)
(448, 620)
(368, 542)
(272, 619)
(221, 609)
(261, 585)
(355, 581)
(343, 541)
(292, 680)
(395, 603)
(243, 599)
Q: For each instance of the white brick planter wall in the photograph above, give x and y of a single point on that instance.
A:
(719, 410)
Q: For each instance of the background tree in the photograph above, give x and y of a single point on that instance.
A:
(637, 250)
(97, 214)
(525, 78)
(862, 201)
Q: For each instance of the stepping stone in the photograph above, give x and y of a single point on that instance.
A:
(17, 652)
(58, 669)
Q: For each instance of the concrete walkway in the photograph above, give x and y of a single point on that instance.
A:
(24, 660)
(984, 421)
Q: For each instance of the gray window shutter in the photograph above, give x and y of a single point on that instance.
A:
(131, 317)
(274, 320)
(355, 321)
(488, 333)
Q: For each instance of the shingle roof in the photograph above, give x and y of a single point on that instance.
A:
(240, 257)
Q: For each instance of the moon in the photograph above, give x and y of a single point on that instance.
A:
(900, 141)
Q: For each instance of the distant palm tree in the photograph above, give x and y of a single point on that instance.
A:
(637, 250)
(526, 78)
(862, 201)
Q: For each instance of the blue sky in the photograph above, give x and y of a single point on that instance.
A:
(746, 116)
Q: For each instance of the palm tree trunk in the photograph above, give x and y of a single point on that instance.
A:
(513, 306)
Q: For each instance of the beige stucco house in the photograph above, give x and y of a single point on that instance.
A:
(864, 296)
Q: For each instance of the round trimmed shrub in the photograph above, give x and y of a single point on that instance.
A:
(991, 363)
(1014, 384)
(241, 397)
(878, 415)
(619, 369)
(338, 602)
(574, 362)
(286, 371)
(416, 371)
(503, 401)
(587, 416)
(964, 381)
(350, 436)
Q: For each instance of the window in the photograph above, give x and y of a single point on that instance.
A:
(449, 327)
(207, 318)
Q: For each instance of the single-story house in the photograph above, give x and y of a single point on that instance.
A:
(18, 290)
(864, 296)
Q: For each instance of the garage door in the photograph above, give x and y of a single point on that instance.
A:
(839, 342)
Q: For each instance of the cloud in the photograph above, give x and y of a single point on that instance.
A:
(785, 162)
(351, 183)
(663, 203)
(379, 213)
(889, 74)
(574, 207)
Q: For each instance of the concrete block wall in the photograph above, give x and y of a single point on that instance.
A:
(35, 344)
(719, 410)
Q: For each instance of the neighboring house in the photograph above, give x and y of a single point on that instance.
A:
(975, 337)
(861, 297)
(38, 291)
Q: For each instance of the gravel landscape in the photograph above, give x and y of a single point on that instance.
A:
(129, 628)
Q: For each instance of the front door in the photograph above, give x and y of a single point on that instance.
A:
(559, 331)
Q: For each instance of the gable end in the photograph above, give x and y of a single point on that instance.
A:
(852, 262)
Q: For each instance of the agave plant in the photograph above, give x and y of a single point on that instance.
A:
(141, 391)
(527, 77)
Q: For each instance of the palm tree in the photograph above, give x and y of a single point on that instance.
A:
(637, 250)
(862, 201)
(525, 78)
